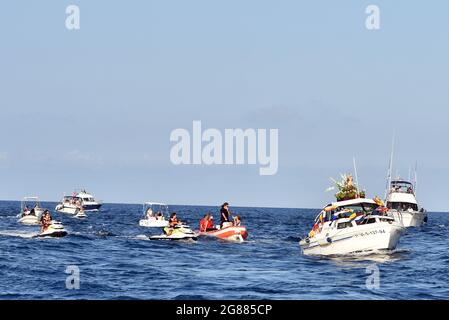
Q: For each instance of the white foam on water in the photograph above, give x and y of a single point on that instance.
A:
(19, 234)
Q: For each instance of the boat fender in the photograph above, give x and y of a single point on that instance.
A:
(329, 239)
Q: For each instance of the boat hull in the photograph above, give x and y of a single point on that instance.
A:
(366, 238)
(238, 234)
(29, 220)
(92, 207)
(150, 223)
(66, 209)
(410, 218)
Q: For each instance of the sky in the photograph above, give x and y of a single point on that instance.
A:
(95, 107)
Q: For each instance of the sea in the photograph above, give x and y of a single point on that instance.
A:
(109, 256)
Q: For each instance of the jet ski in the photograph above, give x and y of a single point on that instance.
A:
(55, 229)
(181, 232)
(227, 232)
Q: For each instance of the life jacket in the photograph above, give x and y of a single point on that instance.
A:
(174, 220)
(210, 224)
(203, 225)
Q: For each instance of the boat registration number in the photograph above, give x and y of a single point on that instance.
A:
(370, 233)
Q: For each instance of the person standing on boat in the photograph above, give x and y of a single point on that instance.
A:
(225, 214)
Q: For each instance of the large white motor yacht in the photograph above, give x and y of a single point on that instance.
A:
(79, 201)
(402, 204)
(352, 226)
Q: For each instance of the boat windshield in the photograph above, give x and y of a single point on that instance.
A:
(155, 210)
(359, 208)
(401, 187)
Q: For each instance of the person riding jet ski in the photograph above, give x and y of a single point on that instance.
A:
(46, 220)
(173, 223)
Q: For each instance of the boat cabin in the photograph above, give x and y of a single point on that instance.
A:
(401, 186)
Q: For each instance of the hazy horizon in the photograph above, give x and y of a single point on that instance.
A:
(95, 107)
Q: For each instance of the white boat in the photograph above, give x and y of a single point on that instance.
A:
(81, 214)
(154, 215)
(55, 229)
(30, 214)
(402, 204)
(80, 199)
(352, 226)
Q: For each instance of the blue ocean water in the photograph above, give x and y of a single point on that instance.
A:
(117, 261)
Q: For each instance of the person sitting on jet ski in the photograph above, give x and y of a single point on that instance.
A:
(174, 220)
(45, 220)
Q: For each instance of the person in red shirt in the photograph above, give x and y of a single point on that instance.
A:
(210, 223)
(207, 223)
(204, 223)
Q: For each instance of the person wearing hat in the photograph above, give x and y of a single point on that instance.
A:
(224, 214)
(210, 223)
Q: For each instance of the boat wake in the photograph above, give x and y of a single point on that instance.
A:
(18, 234)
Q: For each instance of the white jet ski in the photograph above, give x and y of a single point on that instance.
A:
(182, 232)
(55, 229)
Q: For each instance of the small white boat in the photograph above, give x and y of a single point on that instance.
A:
(352, 226)
(30, 214)
(154, 215)
(55, 229)
(81, 214)
(402, 204)
(78, 200)
(182, 232)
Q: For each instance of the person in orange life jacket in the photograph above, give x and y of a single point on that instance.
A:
(173, 220)
(225, 214)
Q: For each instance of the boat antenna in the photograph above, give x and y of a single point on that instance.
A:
(390, 166)
(356, 175)
(416, 177)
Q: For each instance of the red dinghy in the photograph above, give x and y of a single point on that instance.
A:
(230, 233)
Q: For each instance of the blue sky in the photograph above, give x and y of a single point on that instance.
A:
(95, 107)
